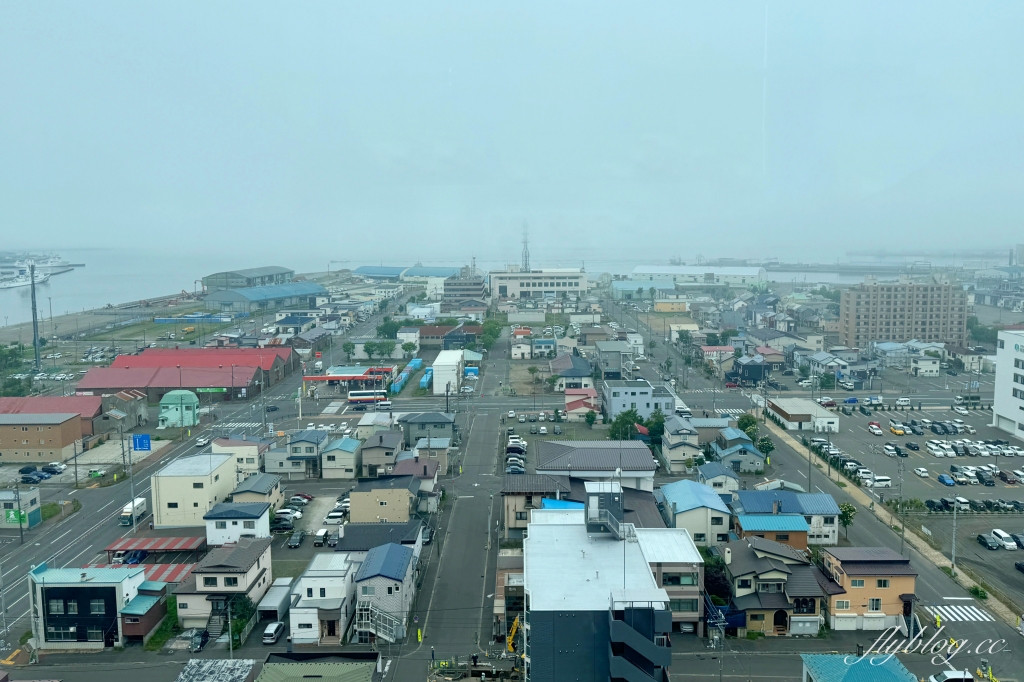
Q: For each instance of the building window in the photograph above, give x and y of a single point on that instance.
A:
(209, 582)
(368, 590)
(230, 582)
(716, 520)
(56, 607)
(250, 460)
(382, 503)
(72, 607)
(182, 605)
(197, 486)
(305, 626)
(94, 634)
(323, 592)
(521, 516)
(131, 619)
(687, 605)
(743, 584)
(830, 520)
(248, 524)
(309, 591)
(779, 537)
(857, 582)
(842, 604)
(679, 579)
(723, 537)
(874, 605)
(220, 525)
(97, 607)
(699, 537)
(172, 505)
(756, 617)
(883, 584)
(310, 450)
(296, 449)
(330, 458)
(390, 589)
(60, 634)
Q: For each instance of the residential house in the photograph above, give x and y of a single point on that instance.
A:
(409, 335)
(80, 608)
(718, 477)
(873, 588)
(823, 362)
(679, 443)
(145, 612)
(715, 355)
(384, 499)
(229, 521)
(966, 359)
(189, 487)
(819, 510)
(522, 493)
(436, 449)
(628, 461)
(378, 453)
(360, 538)
(775, 586)
(323, 600)
(242, 568)
(697, 508)
(786, 529)
(260, 488)
(385, 588)
(416, 425)
(734, 449)
(708, 428)
(579, 402)
(774, 358)
(572, 372)
(522, 349)
(614, 359)
(841, 668)
(620, 395)
(924, 366)
(306, 447)
(341, 458)
(374, 422)
(249, 454)
(425, 471)
(749, 371)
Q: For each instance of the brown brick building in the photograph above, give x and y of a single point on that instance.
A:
(39, 438)
(902, 311)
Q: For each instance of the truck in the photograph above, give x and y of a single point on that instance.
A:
(874, 400)
(967, 400)
(133, 511)
(318, 365)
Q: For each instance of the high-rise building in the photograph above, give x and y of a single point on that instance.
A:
(1008, 402)
(462, 287)
(934, 310)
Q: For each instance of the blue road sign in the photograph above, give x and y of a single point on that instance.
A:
(975, 384)
(140, 442)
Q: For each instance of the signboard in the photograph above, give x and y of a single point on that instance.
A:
(975, 384)
(211, 390)
(319, 354)
(141, 443)
(11, 516)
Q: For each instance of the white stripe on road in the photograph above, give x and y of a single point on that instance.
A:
(959, 613)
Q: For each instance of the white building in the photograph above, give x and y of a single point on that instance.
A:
(384, 592)
(924, 366)
(699, 275)
(341, 458)
(1008, 406)
(248, 454)
(409, 335)
(448, 371)
(323, 599)
(550, 283)
(189, 487)
(699, 509)
(800, 414)
(229, 521)
(225, 572)
(637, 342)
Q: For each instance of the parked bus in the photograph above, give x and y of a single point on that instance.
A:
(371, 396)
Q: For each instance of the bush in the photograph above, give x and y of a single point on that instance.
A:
(978, 592)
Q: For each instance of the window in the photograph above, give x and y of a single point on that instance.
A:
(60, 634)
(723, 537)
(209, 582)
(699, 537)
(679, 579)
(382, 503)
(305, 626)
(390, 589)
(756, 617)
(248, 524)
(250, 460)
(94, 634)
(743, 584)
(172, 505)
(830, 520)
(220, 525)
(72, 607)
(230, 582)
(688, 605)
(521, 516)
(717, 485)
(182, 605)
(296, 449)
(330, 458)
(716, 520)
(241, 459)
(56, 607)
(8, 505)
(368, 591)
(309, 591)
(131, 619)
(779, 537)
(323, 592)
(197, 486)
(842, 604)
(310, 450)
(882, 584)
(97, 607)
(857, 582)
(874, 605)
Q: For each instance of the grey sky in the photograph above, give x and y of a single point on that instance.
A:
(435, 128)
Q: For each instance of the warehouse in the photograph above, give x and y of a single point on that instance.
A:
(699, 275)
(256, 299)
(800, 414)
(214, 383)
(251, 277)
(274, 363)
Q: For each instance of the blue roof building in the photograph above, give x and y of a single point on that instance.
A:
(263, 298)
(697, 508)
(785, 523)
(388, 561)
(385, 587)
(684, 495)
(819, 510)
(379, 272)
(850, 668)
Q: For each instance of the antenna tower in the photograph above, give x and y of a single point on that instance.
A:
(526, 249)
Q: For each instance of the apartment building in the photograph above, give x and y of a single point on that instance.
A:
(1008, 403)
(189, 487)
(870, 588)
(458, 289)
(39, 438)
(930, 311)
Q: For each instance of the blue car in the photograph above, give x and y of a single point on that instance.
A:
(851, 400)
(946, 479)
(30, 479)
(42, 475)
(136, 557)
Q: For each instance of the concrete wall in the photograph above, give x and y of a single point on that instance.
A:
(519, 318)
(367, 507)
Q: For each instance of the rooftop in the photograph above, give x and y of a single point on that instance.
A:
(237, 510)
(389, 561)
(714, 470)
(844, 668)
(433, 443)
(305, 671)
(237, 558)
(793, 523)
(345, 444)
(685, 495)
(427, 418)
(534, 483)
(668, 546)
(85, 405)
(54, 576)
(270, 292)
(361, 537)
(424, 468)
(762, 502)
(194, 465)
(50, 418)
(794, 406)
(260, 483)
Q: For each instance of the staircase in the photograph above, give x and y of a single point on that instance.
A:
(215, 626)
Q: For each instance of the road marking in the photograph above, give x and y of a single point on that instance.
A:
(960, 613)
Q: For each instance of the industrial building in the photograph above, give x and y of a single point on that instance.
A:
(699, 275)
(257, 299)
(448, 372)
(934, 310)
(213, 383)
(250, 277)
(552, 283)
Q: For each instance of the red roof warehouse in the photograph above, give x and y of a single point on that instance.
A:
(156, 381)
(275, 363)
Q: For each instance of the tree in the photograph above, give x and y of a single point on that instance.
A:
(745, 422)
(804, 371)
(656, 425)
(685, 338)
(846, 513)
(348, 348)
(624, 426)
(726, 335)
(765, 446)
(751, 432)
(827, 381)
(370, 348)
(653, 292)
(668, 365)
(408, 348)
(737, 353)
(590, 417)
(552, 380)
(388, 329)
(533, 372)
(386, 348)
(640, 293)
(712, 339)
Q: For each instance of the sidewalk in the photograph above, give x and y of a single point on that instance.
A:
(860, 497)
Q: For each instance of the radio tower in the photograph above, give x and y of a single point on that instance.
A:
(526, 249)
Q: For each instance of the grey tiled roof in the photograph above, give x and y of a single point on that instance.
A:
(260, 483)
(236, 559)
(362, 537)
(594, 455)
(802, 582)
(534, 483)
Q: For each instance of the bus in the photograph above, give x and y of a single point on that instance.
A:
(376, 395)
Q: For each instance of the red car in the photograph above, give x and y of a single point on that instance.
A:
(827, 403)
(731, 384)
(305, 495)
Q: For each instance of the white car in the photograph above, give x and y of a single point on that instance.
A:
(202, 441)
(58, 465)
(1018, 473)
(311, 426)
(960, 410)
(1003, 538)
(511, 414)
(921, 471)
(288, 513)
(467, 389)
(874, 430)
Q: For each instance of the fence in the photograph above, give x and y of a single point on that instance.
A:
(247, 630)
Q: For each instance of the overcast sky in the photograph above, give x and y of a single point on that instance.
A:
(432, 130)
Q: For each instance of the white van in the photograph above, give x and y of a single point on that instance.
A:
(881, 482)
(384, 405)
(903, 402)
(335, 518)
(321, 537)
(1003, 538)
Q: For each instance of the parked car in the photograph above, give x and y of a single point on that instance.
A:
(987, 541)
(427, 535)
(533, 428)
(299, 500)
(136, 557)
(97, 473)
(43, 475)
(874, 430)
(273, 632)
(911, 445)
(296, 539)
(281, 525)
(921, 471)
(960, 410)
(59, 466)
(1008, 477)
(557, 430)
(946, 479)
(305, 495)
(31, 479)
(1019, 565)
(27, 470)
(934, 505)
(1004, 539)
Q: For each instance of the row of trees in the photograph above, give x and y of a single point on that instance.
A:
(747, 423)
(623, 427)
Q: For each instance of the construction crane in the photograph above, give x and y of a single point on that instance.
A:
(509, 642)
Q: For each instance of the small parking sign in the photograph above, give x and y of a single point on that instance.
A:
(140, 442)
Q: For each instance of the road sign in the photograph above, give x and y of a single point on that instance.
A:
(319, 354)
(212, 390)
(141, 442)
(11, 516)
(975, 384)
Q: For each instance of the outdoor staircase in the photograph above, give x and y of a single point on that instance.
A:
(215, 626)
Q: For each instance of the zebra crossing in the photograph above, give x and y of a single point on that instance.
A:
(239, 425)
(959, 613)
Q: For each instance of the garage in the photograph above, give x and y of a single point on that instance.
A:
(874, 622)
(844, 623)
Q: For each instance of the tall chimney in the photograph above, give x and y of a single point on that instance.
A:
(775, 507)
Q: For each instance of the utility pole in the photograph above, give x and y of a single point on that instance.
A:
(17, 494)
(231, 635)
(903, 520)
(953, 556)
(35, 316)
(131, 479)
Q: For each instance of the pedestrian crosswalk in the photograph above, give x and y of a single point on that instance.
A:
(239, 425)
(959, 613)
(731, 410)
(334, 407)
